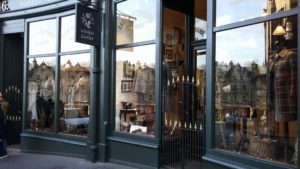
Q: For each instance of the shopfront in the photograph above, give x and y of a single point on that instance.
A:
(232, 73)
(171, 84)
(47, 78)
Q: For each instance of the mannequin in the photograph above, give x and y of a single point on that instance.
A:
(283, 88)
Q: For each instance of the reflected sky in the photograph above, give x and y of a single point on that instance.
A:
(242, 45)
(42, 37)
(229, 11)
(145, 13)
(68, 35)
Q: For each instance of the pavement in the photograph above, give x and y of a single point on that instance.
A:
(19, 160)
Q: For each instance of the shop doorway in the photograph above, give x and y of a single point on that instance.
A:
(12, 85)
(183, 87)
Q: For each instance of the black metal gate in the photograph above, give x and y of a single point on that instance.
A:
(182, 145)
(184, 114)
(13, 96)
(182, 141)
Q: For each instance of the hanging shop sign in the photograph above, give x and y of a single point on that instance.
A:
(124, 30)
(87, 25)
(4, 6)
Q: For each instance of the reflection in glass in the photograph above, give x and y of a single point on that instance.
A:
(68, 35)
(136, 21)
(201, 80)
(42, 37)
(200, 19)
(256, 90)
(229, 11)
(74, 94)
(41, 87)
(135, 90)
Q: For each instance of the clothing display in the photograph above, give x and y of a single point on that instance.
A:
(48, 88)
(82, 89)
(283, 85)
(144, 81)
(44, 112)
(32, 94)
(137, 84)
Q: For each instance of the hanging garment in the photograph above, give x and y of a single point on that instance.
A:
(144, 81)
(32, 94)
(283, 94)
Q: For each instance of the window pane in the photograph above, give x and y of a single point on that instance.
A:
(229, 11)
(200, 19)
(256, 90)
(74, 94)
(42, 37)
(135, 90)
(136, 21)
(41, 88)
(68, 35)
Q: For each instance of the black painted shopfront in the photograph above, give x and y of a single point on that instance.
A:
(171, 84)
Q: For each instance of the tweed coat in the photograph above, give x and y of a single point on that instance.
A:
(283, 85)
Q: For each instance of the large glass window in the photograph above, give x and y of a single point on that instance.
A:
(42, 37)
(135, 90)
(229, 11)
(41, 88)
(68, 36)
(74, 93)
(136, 21)
(135, 68)
(256, 70)
(72, 110)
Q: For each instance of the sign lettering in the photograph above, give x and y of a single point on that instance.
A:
(4, 6)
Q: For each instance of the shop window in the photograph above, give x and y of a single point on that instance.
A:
(230, 11)
(136, 21)
(72, 110)
(135, 67)
(41, 89)
(135, 90)
(74, 94)
(68, 36)
(265, 124)
(42, 37)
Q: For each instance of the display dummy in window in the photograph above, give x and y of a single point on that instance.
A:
(282, 77)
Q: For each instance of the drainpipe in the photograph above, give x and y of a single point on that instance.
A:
(94, 98)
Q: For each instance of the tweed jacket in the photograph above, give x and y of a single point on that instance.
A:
(283, 85)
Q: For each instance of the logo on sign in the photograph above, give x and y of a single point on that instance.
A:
(87, 25)
(88, 20)
(4, 6)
